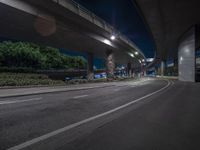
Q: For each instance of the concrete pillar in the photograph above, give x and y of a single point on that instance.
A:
(186, 56)
(162, 68)
(110, 64)
(90, 69)
(143, 69)
(145, 72)
(129, 71)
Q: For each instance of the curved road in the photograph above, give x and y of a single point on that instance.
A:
(152, 115)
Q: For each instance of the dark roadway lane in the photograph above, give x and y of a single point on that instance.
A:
(41, 114)
(171, 121)
(168, 120)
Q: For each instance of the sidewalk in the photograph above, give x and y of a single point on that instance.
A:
(14, 92)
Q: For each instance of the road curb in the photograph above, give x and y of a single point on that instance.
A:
(59, 91)
(35, 86)
(56, 91)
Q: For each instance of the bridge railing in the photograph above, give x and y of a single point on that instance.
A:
(85, 13)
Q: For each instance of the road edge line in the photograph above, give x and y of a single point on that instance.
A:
(68, 127)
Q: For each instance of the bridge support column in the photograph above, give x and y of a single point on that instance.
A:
(162, 68)
(90, 69)
(129, 69)
(186, 56)
(110, 64)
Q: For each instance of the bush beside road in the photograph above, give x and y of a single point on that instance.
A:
(30, 79)
(25, 79)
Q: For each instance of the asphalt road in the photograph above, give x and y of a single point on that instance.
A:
(154, 115)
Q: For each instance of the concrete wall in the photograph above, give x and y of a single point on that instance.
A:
(197, 55)
(186, 56)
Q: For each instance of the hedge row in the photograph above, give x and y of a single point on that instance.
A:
(22, 79)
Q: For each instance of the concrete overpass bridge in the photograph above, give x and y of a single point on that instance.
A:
(174, 25)
(65, 24)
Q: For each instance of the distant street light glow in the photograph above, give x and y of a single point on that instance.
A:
(149, 60)
(112, 37)
(181, 60)
(132, 55)
(136, 53)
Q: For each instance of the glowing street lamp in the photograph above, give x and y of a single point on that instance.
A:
(106, 41)
(112, 37)
(132, 55)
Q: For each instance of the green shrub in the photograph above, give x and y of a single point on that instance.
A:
(17, 69)
(22, 79)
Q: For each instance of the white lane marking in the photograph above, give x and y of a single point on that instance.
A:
(19, 101)
(133, 86)
(116, 90)
(81, 96)
(137, 83)
(66, 128)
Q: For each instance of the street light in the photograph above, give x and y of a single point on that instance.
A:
(112, 37)
(136, 53)
(107, 42)
(132, 55)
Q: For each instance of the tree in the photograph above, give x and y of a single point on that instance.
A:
(52, 58)
(1, 58)
(80, 62)
(19, 54)
(29, 55)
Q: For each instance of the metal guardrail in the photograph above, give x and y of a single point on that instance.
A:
(82, 11)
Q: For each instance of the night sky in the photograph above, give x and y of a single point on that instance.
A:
(124, 17)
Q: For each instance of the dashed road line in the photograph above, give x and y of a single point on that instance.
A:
(69, 127)
(80, 96)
